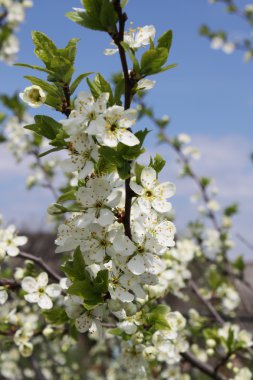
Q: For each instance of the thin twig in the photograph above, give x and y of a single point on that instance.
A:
(203, 367)
(40, 262)
(208, 304)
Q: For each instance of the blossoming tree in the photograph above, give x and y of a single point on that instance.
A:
(116, 236)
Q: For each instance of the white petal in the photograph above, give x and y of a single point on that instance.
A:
(136, 265)
(123, 245)
(12, 251)
(20, 240)
(136, 188)
(122, 295)
(106, 217)
(29, 284)
(42, 279)
(45, 302)
(32, 297)
(148, 178)
(3, 296)
(165, 190)
(160, 205)
(110, 51)
(53, 290)
(128, 138)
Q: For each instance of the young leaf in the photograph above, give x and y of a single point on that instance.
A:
(153, 60)
(165, 40)
(45, 126)
(77, 81)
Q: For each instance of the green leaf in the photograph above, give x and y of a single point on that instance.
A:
(165, 40)
(231, 210)
(99, 86)
(158, 163)
(56, 316)
(45, 126)
(45, 49)
(108, 17)
(167, 67)
(75, 269)
(68, 196)
(34, 67)
(152, 60)
(77, 81)
(124, 170)
(14, 104)
(49, 151)
(138, 170)
(239, 263)
(101, 281)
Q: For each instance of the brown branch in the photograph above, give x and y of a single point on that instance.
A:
(66, 106)
(41, 263)
(203, 367)
(118, 37)
(208, 304)
(9, 284)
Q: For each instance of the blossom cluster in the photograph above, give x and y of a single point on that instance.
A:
(13, 14)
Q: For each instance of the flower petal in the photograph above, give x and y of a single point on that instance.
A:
(45, 302)
(53, 290)
(148, 178)
(136, 265)
(29, 284)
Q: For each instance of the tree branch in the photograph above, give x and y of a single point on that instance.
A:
(41, 263)
(203, 367)
(129, 83)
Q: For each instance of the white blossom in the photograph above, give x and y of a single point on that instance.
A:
(38, 291)
(34, 96)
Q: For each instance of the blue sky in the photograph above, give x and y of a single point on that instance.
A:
(209, 95)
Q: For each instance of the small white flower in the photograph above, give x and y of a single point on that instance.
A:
(98, 198)
(84, 153)
(114, 128)
(136, 38)
(183, 138)
(39, 291)
(217, 43)
(9, 242)
(146, 84)
(228, 47)
(34, 96)
(151, 193)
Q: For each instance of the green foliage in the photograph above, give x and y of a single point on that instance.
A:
(154, 59)
(92, 291)
(165, 40)
(59, 67)
(157, 317)
(77, 81)
(98, 86)
(239, 263)
(56, 316)
(14, 104)
(100, 15)
(157, 163)
(121, 157)
(231, 210)
(214, 279)
(205, 181)
(45, 126)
